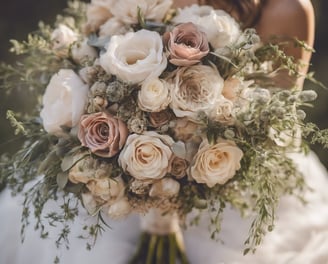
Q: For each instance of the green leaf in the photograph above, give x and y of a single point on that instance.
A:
(71, 159)
(62, 179)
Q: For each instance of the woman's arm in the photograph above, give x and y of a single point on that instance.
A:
(289, 19)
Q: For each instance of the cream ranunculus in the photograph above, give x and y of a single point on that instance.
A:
(216, 164)
(63, 101)
(154, 95)
(154, 10)
(223, 112)
(196, 89)
(147, 156)
(135, 63)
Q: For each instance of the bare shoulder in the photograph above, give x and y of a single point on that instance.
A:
(292, 18)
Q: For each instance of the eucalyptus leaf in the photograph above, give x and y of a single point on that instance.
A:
(71, 159)
(179, 149)
(62, 179)
(48, 162)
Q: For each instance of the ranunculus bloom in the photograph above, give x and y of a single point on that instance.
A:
(127, 10)
(223, 112)
(154, 95)
(196, 89)
(186, 44)
(102, 133)
(216, 164)
(146, 156)
(63, 101)
(135, 63)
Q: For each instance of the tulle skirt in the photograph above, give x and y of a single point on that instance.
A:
(300, 235)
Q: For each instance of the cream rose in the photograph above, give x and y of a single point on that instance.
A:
(146, 156)
(215, 164)
(192, 13)
(186, 44)
(154, 10)
(63, 101)
(154, 95)
(196, 89)
(102, 133)
(135, 63)
(120, 209)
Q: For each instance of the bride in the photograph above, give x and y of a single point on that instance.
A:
(301, 232)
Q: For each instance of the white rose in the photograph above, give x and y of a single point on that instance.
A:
(165, 187)
(192, 13)
(221, 29)
(154, 95)
(196, 88)
(223, 111)
(127, 10)
(62, 37)
(215, 164)
(147, 156)
(133, 63)
(64, 101)
(113, 26)
(81, 52)
(119, 209)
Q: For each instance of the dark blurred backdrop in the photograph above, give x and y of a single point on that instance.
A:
(18, 17)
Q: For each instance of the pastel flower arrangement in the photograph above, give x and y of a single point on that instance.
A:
(147, 107)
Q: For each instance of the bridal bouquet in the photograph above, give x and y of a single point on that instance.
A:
(142, 108)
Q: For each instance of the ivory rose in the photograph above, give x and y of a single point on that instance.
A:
(215, 164)
(192, 13)
(195, 89)
(63, 101)
(102, 133)
(134, 63)
(146, 156)
(127, 10)
(154, 95)
(186, 44)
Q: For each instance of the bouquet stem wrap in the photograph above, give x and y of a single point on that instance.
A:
(161, 241)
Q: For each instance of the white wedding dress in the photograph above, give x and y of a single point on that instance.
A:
(300, 235)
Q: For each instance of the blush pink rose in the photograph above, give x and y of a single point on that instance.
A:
(102, 133)
(186, 44)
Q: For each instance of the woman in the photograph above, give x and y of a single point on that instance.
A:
(271, 17)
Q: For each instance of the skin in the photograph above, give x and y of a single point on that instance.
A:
(286, 19)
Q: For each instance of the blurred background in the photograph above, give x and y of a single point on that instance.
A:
(19, 17)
